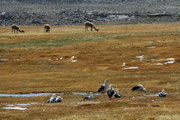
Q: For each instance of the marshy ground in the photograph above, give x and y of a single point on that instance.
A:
(38, 62)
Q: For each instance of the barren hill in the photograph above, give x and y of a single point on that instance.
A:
(68, 12)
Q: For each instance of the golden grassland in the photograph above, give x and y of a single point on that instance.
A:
(32, 65)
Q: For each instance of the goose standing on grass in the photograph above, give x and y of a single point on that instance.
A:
(59, 99)
(162, 93)
(110, 91)
(90, 97)
(103, 87)
(139, 88)
(117, 94)
(52, 99)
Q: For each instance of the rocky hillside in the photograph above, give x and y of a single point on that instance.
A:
(71, 12)
(78, 1)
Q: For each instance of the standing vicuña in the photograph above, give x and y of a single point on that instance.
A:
(91, 25)
(47, 28)
(16, 29)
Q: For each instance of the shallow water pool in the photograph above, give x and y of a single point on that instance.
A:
(24, 95)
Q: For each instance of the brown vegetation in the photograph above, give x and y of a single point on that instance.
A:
(39, 62)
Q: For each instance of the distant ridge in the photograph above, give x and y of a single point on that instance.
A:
(84, 1)
(76, 12)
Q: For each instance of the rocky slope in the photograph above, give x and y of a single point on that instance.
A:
(72, 12)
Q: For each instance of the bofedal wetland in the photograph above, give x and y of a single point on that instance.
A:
(72, 63)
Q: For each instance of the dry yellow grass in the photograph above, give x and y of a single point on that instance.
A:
(34, 66)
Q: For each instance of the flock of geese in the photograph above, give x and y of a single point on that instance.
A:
(110, 92)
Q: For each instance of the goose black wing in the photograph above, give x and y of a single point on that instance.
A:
(86, 98)
(117, 95)
(101, 88)
(135, 88)
(162, 95)
(59, 100)
(110, 93)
